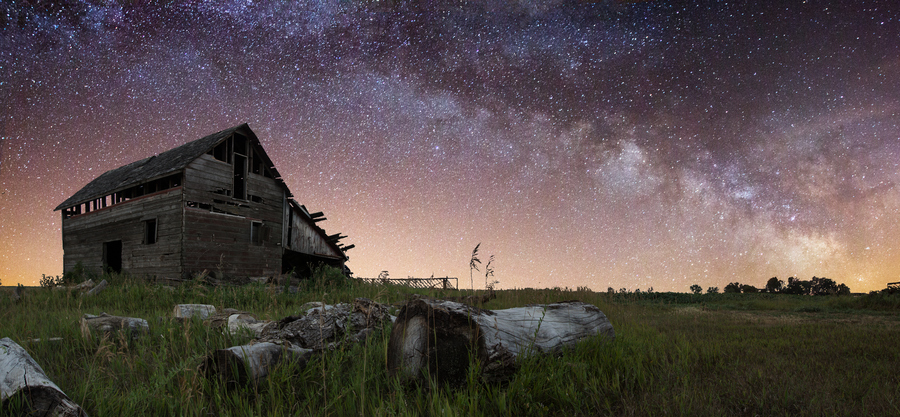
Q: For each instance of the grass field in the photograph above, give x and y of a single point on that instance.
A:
(674, 354)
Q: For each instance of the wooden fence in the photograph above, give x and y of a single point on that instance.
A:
(446, 283)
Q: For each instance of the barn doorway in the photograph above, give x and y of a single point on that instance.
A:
(112, 255)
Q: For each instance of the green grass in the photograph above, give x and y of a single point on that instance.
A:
(674, 354)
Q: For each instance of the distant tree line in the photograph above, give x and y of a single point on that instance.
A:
(815, 286)
(892, 288)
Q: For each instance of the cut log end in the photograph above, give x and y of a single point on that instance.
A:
(429, 338)
(26, 390)
(41, 401)
(239, 365)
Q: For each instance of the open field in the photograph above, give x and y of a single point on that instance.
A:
(674, 354)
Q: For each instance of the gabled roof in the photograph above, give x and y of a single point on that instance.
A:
(150, 168)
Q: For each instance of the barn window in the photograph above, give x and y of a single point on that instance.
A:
(255, 164)
(222, 151)
(240, 144)
(150, 231)
(256, 233)
(240, 176)
(240, 166)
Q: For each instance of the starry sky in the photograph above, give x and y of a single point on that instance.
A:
(582, 143)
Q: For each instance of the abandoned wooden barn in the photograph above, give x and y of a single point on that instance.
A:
(216, 204)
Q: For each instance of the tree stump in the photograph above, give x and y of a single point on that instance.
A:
(105, 324)
(440, 336)
(252, 362)
(23, 381)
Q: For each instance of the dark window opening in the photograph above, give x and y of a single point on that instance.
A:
(255, 198)
(253, 157)
(194, 204)
(150, 231)
(222, 151)
(240, 144)
(240, 176)
(256, 233)
(258, 164)
(290, 229)
(110, 199)
(112, 255)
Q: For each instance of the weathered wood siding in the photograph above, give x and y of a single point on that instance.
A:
(84, 235)
(217, 227)
(305, 239)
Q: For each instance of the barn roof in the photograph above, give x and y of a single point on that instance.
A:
(150, 168)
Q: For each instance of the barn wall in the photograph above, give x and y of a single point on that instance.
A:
(84, 235)
(217, 227)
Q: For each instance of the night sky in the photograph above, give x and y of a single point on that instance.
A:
(599, 144)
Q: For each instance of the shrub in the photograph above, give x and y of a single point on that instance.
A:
(50, 281)
(76, 275)
(325, 276)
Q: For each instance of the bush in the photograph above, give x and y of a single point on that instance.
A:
(50, 281)
(75, 276)
(325, 276)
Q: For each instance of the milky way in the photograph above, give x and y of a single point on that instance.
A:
(599, 144)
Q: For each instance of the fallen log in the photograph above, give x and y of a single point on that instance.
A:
(24, 383)
(186, 311)
(294, 338)
(84, 285)
(252, 362)
(246, 324)
(220, 317)
(105, 324)
(47, 340)
(96, 290)
(327, 326)
(437, 338)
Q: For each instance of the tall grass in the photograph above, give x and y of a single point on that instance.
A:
(713, 355)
